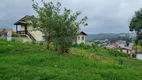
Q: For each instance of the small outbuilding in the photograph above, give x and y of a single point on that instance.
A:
(81, 38)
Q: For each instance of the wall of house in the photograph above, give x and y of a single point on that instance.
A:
(29, 28)
(22, 28)
(37, 35)
(80, 39)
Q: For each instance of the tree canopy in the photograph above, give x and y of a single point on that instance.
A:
(136, 24)
(60, 27)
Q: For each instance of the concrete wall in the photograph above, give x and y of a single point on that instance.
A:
(27, 39)
(79, 39)
(18, 38)
(125, 51)
(37, 35)
(24, 39)
(139, 56)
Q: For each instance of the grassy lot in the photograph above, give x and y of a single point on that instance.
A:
(27, 61)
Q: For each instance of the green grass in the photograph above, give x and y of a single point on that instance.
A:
(27, 61)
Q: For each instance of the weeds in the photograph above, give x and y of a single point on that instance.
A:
(27, 61)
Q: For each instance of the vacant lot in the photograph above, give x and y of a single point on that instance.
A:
(27, 61)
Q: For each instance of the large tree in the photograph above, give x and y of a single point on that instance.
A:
(136, 24)
(45, 20)
(59, 26)
(68, 29)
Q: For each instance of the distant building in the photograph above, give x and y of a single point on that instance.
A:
(109, 46)
(115, 45)
(81, 38)
(3, 32)
(121, 42)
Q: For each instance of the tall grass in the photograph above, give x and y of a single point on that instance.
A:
(27, 61)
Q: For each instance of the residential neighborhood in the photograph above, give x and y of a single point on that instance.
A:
(28, 34)
(120, 45)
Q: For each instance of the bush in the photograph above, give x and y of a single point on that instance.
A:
(33, 42)
(14, 34)
(41, 43)
(13, 40)
(94, 45)
(120, 61)
(140, 42)
(83, 46)
(116, 53)
(75, 45)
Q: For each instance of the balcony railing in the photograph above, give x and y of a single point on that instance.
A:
(21, 32)
(26, 33)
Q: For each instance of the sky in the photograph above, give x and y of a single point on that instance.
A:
(104, 16)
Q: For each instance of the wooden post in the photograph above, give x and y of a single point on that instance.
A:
(26, 29)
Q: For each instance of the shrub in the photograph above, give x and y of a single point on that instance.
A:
(116, 53)
(81, 46)
(13, 40)
(33, 42)
(75, 45)
(14, 34)
(120, 61)
(140, 42)
(94, 45)
(41, 43)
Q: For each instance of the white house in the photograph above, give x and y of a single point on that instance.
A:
(26, 30)
(81, 38)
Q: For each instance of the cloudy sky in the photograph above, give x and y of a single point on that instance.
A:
(104, 16)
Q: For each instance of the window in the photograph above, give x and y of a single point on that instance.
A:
(82, 37)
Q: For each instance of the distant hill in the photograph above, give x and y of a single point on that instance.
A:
(110, 36)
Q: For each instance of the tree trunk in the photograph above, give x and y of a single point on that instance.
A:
(47, 45)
